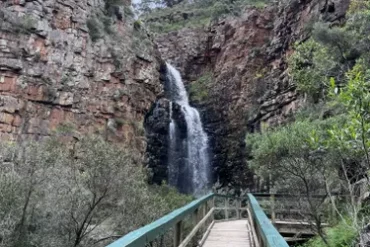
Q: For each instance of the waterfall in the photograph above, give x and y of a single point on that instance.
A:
(194, 176)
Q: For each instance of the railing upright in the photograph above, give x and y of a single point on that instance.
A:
(177, 238)
(226, 208)
(273, 214)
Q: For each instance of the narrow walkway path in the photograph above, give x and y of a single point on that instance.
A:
(229, 234)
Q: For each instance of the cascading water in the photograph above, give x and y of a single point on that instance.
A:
(194, 176)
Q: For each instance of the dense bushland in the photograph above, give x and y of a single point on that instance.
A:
(341, 235)
(331, 53)
(198, 13)
(86, 194)
(324, 150)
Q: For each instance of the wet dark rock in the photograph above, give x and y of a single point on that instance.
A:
(157, 128)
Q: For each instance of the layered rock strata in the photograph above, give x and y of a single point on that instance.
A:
(75, 67)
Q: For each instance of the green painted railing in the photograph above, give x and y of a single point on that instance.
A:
(202, 211)
(148, 233)
(267, 234)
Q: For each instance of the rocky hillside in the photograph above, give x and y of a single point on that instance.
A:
(75, 67)
(245, 59)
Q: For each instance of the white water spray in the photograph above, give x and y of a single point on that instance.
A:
(197, 160)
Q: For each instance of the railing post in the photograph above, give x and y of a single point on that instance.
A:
(238, 206)
(205, 209)
(200, 213)
(226, 208)
(272, 201)
(195, 216)
(177, 238)
(212, 206)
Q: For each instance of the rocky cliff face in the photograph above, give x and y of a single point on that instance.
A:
(251, 89)
(76, 67)
(82, 66)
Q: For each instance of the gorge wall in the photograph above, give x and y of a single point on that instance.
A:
(73, 67)
(76, 67)
(250, 89)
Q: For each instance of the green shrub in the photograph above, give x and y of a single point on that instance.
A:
(341, 235)
(117, 61)
(299, 159)
(220, 8)
(293, 140)
(66, 128)
(354, 135)
(171, 196)
(128, 12)
(200, 88)
(55, 194)
(112, 5)
(358, 5)
(326, 149)
(199, 13)
(101, 23)
(305, 71)
(138, 24)
(95, 29)
(107, 23)
(331, 53)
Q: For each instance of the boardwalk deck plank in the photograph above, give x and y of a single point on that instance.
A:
(229, 234)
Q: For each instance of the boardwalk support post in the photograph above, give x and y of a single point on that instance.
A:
(273, 213)
(196, 216)
(177, 238)
(213, 206)
(205, 210)
(238, 206)
(226, 208)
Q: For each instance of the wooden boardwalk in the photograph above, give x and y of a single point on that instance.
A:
(230, 234)
(234, 233)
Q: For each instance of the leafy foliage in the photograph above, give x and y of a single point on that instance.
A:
(354, 135)
(294, 140)
(81, 195)
(112, 6)
(287, 158)
(193, 13)
(200, 88)
(358, 5)
(326, 149)
(95, 29)
(331, 53)
(102, 21)
(341, 235)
